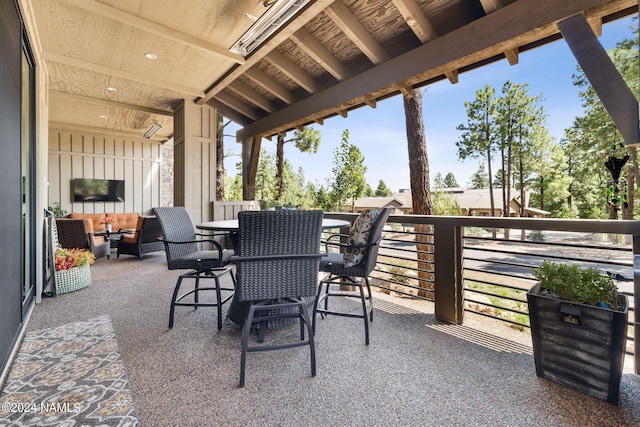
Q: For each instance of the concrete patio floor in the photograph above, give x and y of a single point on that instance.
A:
(417, 371)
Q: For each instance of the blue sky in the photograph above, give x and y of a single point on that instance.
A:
(380, 132)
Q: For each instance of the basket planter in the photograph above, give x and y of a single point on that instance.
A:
(73, 279)
(579, 346)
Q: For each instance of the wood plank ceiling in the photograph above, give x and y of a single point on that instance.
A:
(331, 57)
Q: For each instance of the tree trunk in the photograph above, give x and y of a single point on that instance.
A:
(541, 193)
(503, 162)
(279, 167)
(219, 159)
(491, 198)
(420, 188)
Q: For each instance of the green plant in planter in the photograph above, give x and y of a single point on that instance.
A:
(57, 210)
(572, 283)
(578, 329)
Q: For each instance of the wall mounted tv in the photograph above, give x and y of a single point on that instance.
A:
(98, 190)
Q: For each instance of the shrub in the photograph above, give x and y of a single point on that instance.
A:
(571, 283)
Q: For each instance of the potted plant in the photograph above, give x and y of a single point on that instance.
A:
(578, 328)
(107, 221)
(72, 269)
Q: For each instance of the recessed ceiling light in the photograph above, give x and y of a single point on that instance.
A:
(111, 89)
(151, 55)
(103, 116)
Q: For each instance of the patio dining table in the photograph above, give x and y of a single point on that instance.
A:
(238, 310)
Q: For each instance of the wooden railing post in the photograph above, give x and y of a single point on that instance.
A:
(449, 296)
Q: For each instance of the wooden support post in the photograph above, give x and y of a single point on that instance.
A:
(609, 85)
(447, 242)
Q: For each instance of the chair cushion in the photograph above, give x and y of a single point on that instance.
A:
(359, 235)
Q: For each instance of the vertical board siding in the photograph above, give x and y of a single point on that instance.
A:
(76, 154)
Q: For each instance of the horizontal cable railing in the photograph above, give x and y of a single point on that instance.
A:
(497, 259)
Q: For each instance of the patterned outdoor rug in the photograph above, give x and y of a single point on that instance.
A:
(70, 375)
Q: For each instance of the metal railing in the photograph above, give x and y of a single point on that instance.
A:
(484, 265)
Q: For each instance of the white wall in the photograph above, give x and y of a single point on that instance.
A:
(79, 154)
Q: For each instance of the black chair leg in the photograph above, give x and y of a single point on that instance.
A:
(173, 301)
(312, 347)
(219, 301)
(370, 299)
(246, 330)
(365, 314)
(196, 293)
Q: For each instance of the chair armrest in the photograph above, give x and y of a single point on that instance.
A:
(351, 246)
(213, 242)
(328, 241)
(212, 234)
(236, 258)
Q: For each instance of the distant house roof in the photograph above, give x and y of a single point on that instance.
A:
(378, 202)
(468, 199)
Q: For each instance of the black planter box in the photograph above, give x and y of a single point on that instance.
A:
(577, 345)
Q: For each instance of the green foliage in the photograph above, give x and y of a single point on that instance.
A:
(57, 210)
(399, 271)
(382, 190)
(445, 204)
(348, 182)
(571, 283)
(450, 180)
(438, 181)
(479, 179)
(536, 236)
(307, 140)
(368, 191)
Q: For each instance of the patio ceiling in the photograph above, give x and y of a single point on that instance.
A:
(331, 57)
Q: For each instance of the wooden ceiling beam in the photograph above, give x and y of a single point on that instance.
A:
(126, 18)
(416, 19)
(349, 24)
(293, 71)
(270, 85)
(109, 103)
(371, 103)
(238, 105)
(596, 25)
(311, 11)
(490, 6)
(452, 76)
(229, 113)
(252, 95)
(73, 62)
(317, 51)
(512, 56)
(104, 131)
(515, 25)
(421, 27)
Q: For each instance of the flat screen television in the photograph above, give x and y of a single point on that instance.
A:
(98, 190)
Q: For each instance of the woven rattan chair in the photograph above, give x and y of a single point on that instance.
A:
(355, 275)
(277, 273)
(183, 253)
(144, 240)
(72, 233)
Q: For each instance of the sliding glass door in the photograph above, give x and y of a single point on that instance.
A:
(27, 173)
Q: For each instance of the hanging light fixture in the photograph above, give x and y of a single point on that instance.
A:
(279, 13)
(153, 128)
